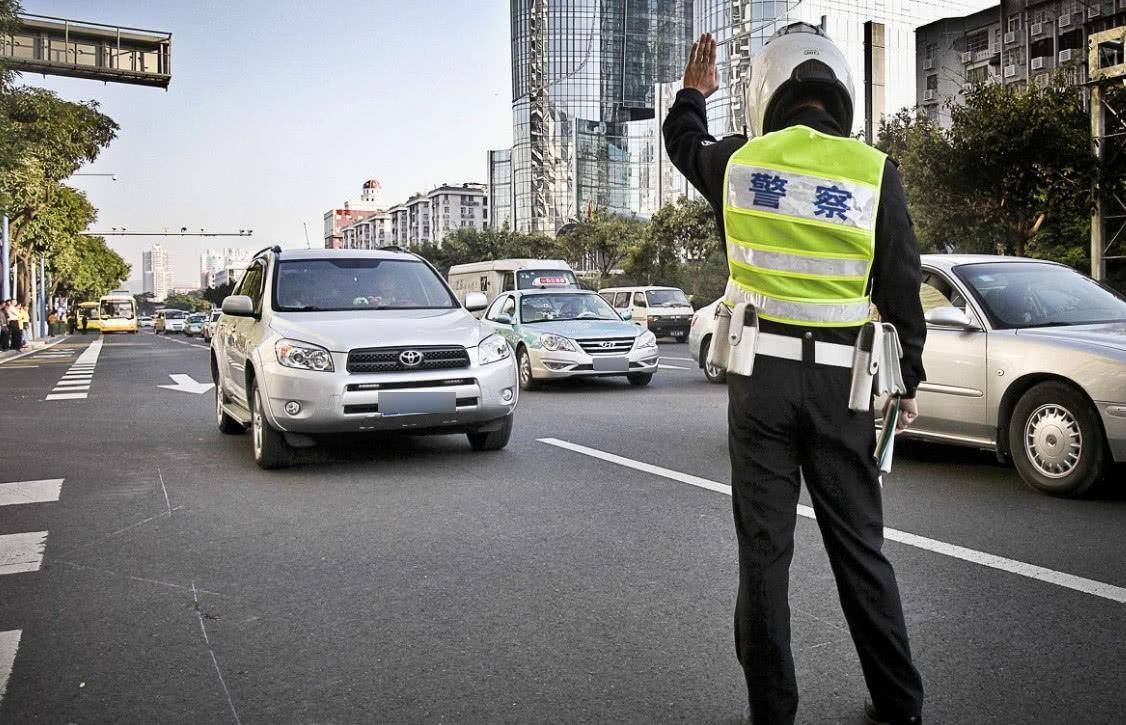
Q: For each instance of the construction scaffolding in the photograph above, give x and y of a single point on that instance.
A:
(1106, 64)
(79, 49)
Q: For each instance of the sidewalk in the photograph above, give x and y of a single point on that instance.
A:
(31, 347)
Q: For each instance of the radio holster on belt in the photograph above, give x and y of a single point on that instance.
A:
(875, 365)
(734, 339)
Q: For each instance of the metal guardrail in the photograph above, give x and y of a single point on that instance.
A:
(80, 49)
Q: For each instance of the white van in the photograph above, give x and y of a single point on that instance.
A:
(665, 311)
(505, 275)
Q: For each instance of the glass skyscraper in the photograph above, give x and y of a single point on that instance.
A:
(583, 87)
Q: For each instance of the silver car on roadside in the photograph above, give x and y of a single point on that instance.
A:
(1023, 357)
(317, 342)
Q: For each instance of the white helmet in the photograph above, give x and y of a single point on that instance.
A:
(797, 59)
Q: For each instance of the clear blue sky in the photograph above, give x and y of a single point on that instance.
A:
(279, 110)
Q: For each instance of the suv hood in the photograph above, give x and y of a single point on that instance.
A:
(344, 331)
(1106, 334)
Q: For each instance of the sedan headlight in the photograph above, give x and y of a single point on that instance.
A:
(646, 339)
(556, 343)
(303, 355)
(493, 348)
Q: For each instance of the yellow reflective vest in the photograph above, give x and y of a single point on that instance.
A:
(799, 210)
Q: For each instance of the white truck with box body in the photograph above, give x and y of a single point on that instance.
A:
(505, 275)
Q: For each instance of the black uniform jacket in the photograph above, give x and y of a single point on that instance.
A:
(895, 270)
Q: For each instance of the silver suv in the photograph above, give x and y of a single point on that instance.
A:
(330, 341)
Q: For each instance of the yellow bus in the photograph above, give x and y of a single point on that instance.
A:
(117, 312)
(88, 311)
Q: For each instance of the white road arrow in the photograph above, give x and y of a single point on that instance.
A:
(185, 384)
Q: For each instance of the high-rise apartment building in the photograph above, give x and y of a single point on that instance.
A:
(219, 265)
(353, 211)
(1010, 44)
(156, 274)
(583, 89)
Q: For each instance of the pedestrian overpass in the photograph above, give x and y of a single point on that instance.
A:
(79, 49)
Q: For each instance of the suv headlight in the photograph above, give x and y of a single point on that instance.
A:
(303, 355)
(646, 339)
(493, 348)
(556, 343)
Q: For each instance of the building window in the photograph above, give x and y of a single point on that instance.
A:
(932, 82)
(1014, 23)
(977, 42)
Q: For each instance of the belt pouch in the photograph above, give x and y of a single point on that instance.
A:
(720, 346)
(864, 367)
(744, 336)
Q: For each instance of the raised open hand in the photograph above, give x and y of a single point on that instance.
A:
(701, 72)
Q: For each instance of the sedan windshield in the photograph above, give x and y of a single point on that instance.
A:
(666, 298)
(308, 285)
(553, 308)
(1033, 294)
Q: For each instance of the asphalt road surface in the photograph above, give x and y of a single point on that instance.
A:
(151, 573)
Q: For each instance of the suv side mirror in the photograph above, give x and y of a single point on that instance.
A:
(474, 301)
(950, 317)
(238, 306)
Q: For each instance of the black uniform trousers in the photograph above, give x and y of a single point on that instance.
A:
(790, 420)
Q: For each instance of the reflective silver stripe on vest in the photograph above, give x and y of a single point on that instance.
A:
(797, 263)
(811, 312)
(815, 198)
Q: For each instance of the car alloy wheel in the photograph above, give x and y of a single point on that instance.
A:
(1053, 440)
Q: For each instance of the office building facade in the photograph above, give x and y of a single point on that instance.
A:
(156, 274)
(584, 76)
(1012, 43)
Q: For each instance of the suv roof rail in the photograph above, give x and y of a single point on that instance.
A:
(394, 248)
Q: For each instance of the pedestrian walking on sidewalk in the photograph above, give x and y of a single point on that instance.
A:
(815, 225)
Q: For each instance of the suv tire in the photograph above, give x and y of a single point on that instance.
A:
(639, 379)
(1055, 440)
(270, 449)
(492, 440)
(227, 424)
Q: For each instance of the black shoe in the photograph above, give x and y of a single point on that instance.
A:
(875, 717)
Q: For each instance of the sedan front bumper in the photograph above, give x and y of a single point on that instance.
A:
(554, 365)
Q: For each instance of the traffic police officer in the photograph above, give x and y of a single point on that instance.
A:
(815, 225)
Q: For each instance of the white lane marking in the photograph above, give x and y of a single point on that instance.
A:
(41, 491)
(670, 357)
(60, 388)
(65, 396)
(22, 552)
(187, 384)
(672, 367)
(1020, 568)
(78, 375)
(72, 382)
(9, 643)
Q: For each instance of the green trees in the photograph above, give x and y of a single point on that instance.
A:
(43, 140)
(1013, 173)
(679, 247)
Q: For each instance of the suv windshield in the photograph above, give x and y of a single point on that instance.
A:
(532, 278)
(554, 308)
(666, 298)
(1032, 294)
(308, 285)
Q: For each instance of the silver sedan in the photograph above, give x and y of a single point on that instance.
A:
(1026, 358)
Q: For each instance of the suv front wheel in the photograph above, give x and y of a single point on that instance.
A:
(270, 449)
(492, 440)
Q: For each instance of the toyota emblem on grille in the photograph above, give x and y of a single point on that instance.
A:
(605, 343)
(410, 358)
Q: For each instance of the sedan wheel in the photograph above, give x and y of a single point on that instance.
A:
(713, 373)
(527, 379)
(1055, 440)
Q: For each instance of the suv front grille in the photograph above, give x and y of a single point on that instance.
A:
(386, 359)
(607, 346)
